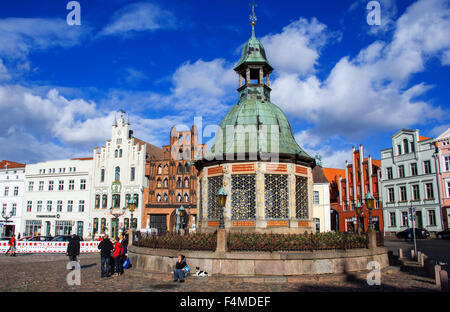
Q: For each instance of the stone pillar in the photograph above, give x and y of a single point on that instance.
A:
(268, 80)
(444, 280)
(291, 188)
(240, 80)
(412, 254)
(261, 76)
(221, 241)
(372, 239)
(422, 259)
(400, 253)
(437, 275)
(260, 214)
(419, 256)
(131, 233)
(247, 76)
(227, 186)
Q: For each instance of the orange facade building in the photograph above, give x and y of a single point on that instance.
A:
(173, 182)
(348, 187)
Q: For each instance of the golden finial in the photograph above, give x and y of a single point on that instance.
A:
(253, 16)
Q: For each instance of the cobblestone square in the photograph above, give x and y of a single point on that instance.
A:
(47, 273)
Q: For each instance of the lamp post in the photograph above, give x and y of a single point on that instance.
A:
(116, 214)
(180, 217)
(358, 208)
(222, 199)
(369, 203)
(132, 207)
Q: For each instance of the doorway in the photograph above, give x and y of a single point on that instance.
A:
(47, 228)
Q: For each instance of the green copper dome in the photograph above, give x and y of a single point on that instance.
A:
(254, 124)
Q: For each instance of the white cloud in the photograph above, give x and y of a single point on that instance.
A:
(140, 16)
(297, 48)
(370, 92)
(4, 75)
(22, 35)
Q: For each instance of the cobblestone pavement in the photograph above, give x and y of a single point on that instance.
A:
(48, 273)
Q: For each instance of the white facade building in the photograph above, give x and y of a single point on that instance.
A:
(408, 179)
(57, 198)
(118, 175)
(321, 212)
(12, 176)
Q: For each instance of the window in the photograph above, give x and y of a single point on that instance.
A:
(49, 205)
(95, 225)
(104, 200)
(391, 196)
(136, 199)
(39, 206)
(159, 169)
(389, 173)
(427, 166)
(103, 225)
(416, 192)
(59, 206)
(413, 169)
(71, 184)
(50, 185)
(117, 174)
(399, 149)
(116, 153)
(403, 196)
(431, 218)
(429, 188)
(83, 184)
(404, 218)
(116, 200)
(81, 206)
(158, 183)
(61, 185)
(14, 209)
(317, 223)
(4, 209)
(30, 186)
(16, 191)
(413, 148)
(392, 219)
(186, 182)
(6, 191)
(166, 198)
(179, 183)
(180, 169)
(69, 205)
(447, 163)
(448, 189)
(29, 205)
(132, 173)
(406, 146)
(401, 171)
(120, 153)
(186, 197)
(102, 176)
(166, 183)
(179, 198)
(277, 198)
(97, 201)
(158, 198)
(316, 198)
(41, 185)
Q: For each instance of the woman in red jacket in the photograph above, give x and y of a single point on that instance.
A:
(118, 252)
(12, 246)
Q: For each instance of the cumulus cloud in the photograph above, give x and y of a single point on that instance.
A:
(370, 92)
(297, 48)
(4, 75)
(140, 16)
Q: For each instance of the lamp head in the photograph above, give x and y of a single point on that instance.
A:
(222, 196)
(369, 200)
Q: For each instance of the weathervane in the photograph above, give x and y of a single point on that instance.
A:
(253, 16)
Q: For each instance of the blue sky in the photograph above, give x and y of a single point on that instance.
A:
(340, 81)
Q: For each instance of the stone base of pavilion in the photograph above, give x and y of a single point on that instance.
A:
(260, 264)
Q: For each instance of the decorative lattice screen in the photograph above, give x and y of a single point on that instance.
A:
(276, 194)
(301, 197)
(243, 197)
(214, 184)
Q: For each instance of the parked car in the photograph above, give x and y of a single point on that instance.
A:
(408, 234)
(5, 238)
(25, 238)
(41, 239)
(64, 238)
(443, 234)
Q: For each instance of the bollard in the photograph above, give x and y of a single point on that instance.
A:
(419, 255)
(437, 277)
(400, 253)
(444, 280)
(412, 254)
(422, 260)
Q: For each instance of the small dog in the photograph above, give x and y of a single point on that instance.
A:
(199, 272)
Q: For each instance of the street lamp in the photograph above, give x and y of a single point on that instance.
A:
(132, 207)
(222, 199)
(369, 202)
(358, 208)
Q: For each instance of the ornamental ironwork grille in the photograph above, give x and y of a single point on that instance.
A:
(301, 197)
(243, 197)
(200, 204)
(214, 184)
(276, 195)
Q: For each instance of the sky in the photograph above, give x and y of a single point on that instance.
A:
(340, 81)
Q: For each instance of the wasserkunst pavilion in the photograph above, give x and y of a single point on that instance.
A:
(267, 176)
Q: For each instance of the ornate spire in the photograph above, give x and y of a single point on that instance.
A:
(253, 17)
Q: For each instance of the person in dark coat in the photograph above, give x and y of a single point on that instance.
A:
(125, 243)
(178, 272)
(106, 247)
(73, 248)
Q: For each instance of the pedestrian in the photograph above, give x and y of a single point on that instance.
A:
(106, 247)
(125, 243)
(180, 269)
(12, 246)
(117, 255)
(18, 236)
(73, 248)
